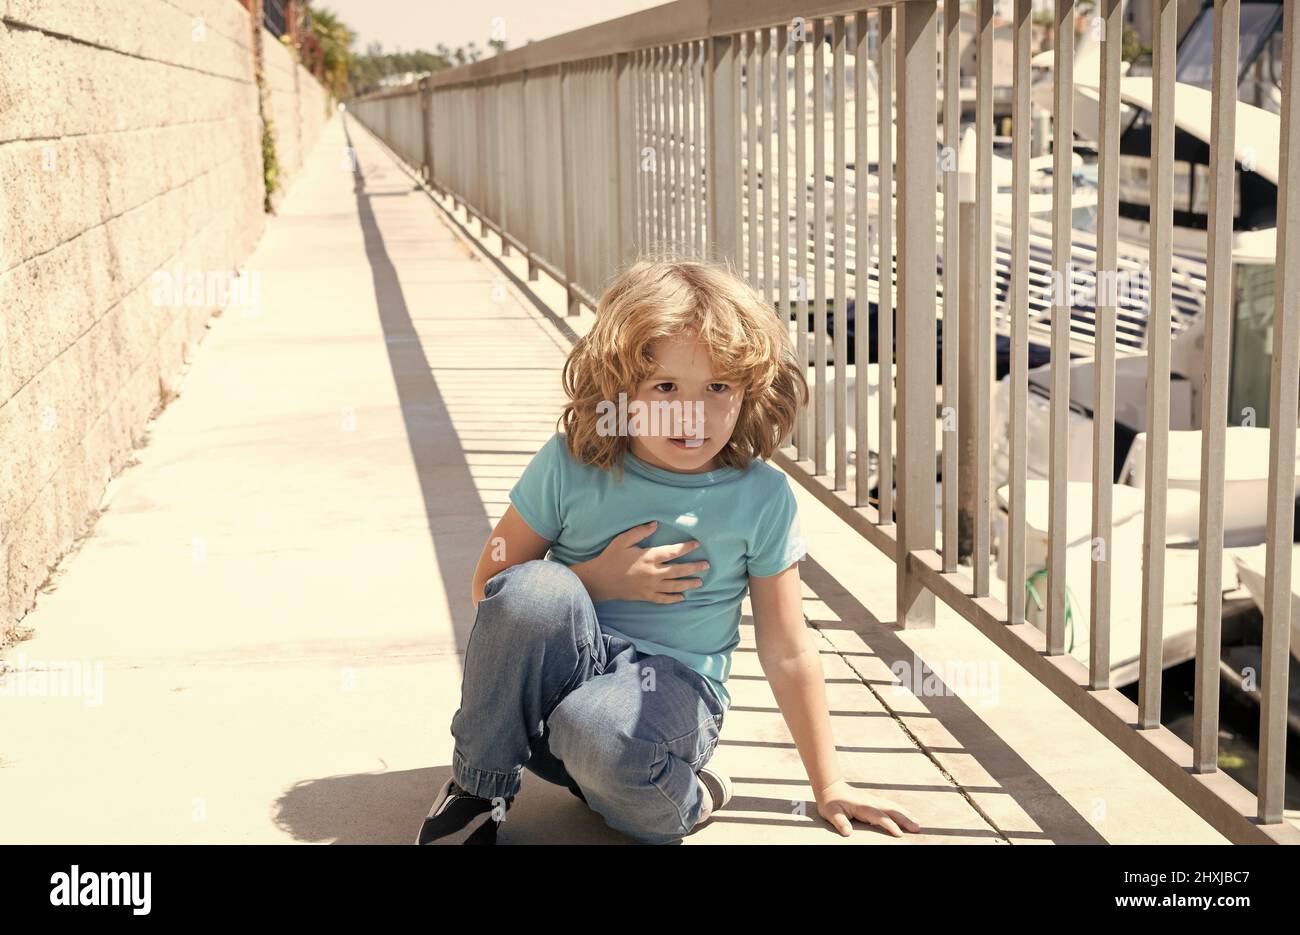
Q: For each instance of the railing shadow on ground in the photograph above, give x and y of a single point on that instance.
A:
(424, 409)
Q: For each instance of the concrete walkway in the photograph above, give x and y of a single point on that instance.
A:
(276, 597)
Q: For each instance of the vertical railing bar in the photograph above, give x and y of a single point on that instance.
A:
(917, 248)
(615, 138)
(862, 257)
(688, 144)
(1284, 376)
(643, 141)
(1058, 470)
(780, 50)
(580, 156)
(591, 158)
(720, 120)
(679, 144)
(738, 206)
(634, 78)
(600, 127)
(666, 147)
(692, 149)
(482, 173)
(530, 225)
(684, 144)
(984, 290)
(620, 73)
(1164, 48)
(426, 136)
(840, 403)
(951, 274)
(584, 165)
(665, 153)
(885, 268)
(819, 245)
(751, 155)
(642, 182)
(701, 157)
(566, 188)
(674, 147)
(1019, 313)
(650, 154)
(769, 181)
(650, 157)
(661, 152)
(573, 121)
(804, 428)
(1214, 404)
(499, 161)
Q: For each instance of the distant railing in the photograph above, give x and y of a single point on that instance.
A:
(672, 127)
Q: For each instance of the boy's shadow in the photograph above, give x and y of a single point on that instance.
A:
(387, 808)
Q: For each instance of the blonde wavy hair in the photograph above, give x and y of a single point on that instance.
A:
(656, 298)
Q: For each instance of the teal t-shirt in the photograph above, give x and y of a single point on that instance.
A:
(746, 521)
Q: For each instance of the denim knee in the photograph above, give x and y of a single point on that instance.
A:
(538, 575)
(616, 772)
(539, 591)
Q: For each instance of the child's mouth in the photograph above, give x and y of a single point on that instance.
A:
(687, 443)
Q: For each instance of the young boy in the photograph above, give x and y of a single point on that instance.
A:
(603, 668)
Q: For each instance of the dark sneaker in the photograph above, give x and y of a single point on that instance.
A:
(459, 818)
(717, 789)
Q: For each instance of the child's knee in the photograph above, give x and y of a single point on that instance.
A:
(538, 591)
(616, 774)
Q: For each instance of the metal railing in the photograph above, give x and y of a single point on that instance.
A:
(679, 127)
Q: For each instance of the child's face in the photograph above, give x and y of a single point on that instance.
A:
(697, 409)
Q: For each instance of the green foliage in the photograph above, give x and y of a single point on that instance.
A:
(270, 162)
(369, 69)
(334, 40)
(349, 73)
(1131, 46)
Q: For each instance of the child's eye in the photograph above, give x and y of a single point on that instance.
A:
(721, 387)
(664, 387)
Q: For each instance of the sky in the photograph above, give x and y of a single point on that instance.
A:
(409, 25)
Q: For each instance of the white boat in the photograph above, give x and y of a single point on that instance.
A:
(1250, 573)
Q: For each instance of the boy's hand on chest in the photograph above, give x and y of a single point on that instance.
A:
(628, 571)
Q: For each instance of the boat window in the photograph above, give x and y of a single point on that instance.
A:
(1201, 189)
(1262, 84)
(1196, 52)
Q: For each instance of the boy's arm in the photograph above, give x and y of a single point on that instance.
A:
(793, 667)
(794, 670)
(512, 542)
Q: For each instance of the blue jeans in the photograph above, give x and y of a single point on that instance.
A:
(545, 687)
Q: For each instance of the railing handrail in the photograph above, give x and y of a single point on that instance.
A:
(679, 21)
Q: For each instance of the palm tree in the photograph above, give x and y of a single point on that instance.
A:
(333, 40)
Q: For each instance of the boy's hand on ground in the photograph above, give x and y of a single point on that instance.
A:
(627, 572)
(839, 802)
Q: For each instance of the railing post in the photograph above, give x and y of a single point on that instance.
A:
(530, 220)
(569, 216)
(915, 59)
(426, 125)
(1283, 370)
(625, 156)
(721, 114)
(964, 323)
(501, 154)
